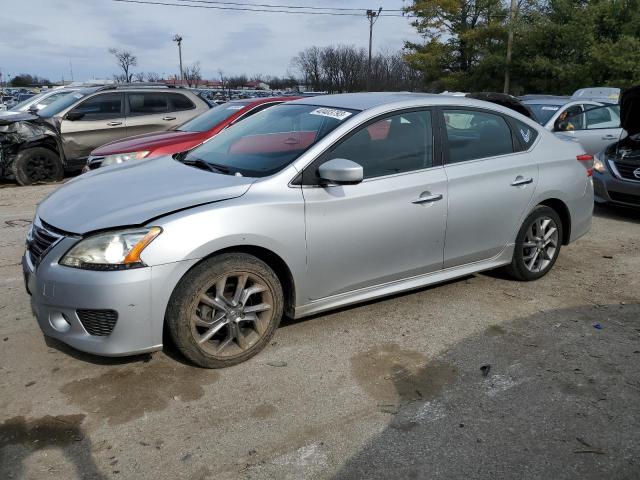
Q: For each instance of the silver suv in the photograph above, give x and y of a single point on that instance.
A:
(304, 207)
(63, 134)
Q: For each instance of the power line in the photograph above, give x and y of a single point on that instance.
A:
(216, 7)
(268, 5)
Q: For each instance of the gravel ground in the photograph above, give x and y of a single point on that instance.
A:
(478, 378)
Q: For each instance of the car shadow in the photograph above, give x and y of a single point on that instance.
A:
(551, 395)
(95, 359)
(289, 321)
(615, 212)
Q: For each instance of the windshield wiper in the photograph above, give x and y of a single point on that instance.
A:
(212, 167)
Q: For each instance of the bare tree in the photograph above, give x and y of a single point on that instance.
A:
(153, 77)
(125, 60)
(192, 74)
(138, 76)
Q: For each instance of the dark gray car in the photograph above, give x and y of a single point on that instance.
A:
(616, 177)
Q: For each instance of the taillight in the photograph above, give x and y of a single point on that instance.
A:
(587, 161)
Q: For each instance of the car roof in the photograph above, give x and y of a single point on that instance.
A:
(362, 101)
(259, 101)
(545, 100)
(367, 101)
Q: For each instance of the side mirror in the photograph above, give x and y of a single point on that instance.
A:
(74, 115)
(341, 171)
(33, 109)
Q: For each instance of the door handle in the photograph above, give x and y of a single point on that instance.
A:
(519, 181)
(609, 137)
(114, 124)
(427, 197)
(168, 118)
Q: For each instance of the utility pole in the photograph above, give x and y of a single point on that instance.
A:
(372, 16)
(178, 40)
(507, 71)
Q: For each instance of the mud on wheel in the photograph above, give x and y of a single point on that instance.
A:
(225, 310)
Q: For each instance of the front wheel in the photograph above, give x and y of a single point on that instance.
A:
(225, 310)
(537, 245)
(36, 165)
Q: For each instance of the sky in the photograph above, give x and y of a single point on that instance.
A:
(53, 37)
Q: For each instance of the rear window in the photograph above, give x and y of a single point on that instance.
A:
(212, 117)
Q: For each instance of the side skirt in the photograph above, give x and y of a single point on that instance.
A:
(411, 283)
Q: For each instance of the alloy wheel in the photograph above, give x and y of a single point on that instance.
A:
(231, 316)
(540, 244)
(40, 168)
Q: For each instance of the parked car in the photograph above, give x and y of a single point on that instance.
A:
(39, 101)
(311, 205)
(616, 176)
(39, 148)
(182, 138)
(594, 126)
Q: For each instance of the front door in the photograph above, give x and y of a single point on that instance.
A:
(599, 127)
(94, 122)
(388, 227)
(490, 183)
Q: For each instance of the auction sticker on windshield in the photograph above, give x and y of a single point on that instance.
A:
(331, 112)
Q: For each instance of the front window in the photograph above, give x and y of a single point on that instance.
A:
(212, 117)
(543, 112)
(267, 142)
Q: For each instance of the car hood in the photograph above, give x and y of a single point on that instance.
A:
(147, 141)
(134, 193)
(630, 110)
(7, 118)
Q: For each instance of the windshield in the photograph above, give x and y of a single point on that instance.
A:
(60, 104)
(213, 117)
(268, 141)
(543, 112)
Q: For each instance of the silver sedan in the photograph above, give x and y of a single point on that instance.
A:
(302, 208)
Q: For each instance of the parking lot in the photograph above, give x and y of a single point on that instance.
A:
(481, 377)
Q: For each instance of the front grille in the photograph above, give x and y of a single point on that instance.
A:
(625, 198)
(626, 170)
(98, 322)
(40, 239)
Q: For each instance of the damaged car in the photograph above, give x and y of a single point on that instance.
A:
(616, 177)
(40, 147)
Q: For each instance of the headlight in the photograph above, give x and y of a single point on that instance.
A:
(598, 163)
(123, 157)
(111, 251)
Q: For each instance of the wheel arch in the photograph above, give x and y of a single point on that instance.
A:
(563, 212)
(273, 260)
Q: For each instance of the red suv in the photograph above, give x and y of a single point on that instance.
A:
(182, 138)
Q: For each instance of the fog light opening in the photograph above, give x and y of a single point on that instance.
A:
(59, 322)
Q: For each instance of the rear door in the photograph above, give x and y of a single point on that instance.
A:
(98, 120)
(156, 111)
(491, 180)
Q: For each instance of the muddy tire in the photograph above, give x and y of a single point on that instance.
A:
(537, 245)
(225, 310)
(37, 165)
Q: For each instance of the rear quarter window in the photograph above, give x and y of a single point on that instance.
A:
(525, 135)
(179, 102)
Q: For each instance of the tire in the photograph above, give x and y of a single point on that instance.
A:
(37, 165)
(527, 265)
(237, 323)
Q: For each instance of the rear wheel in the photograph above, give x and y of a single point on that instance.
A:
(537, 245)
(225, 310)
(36, 165)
